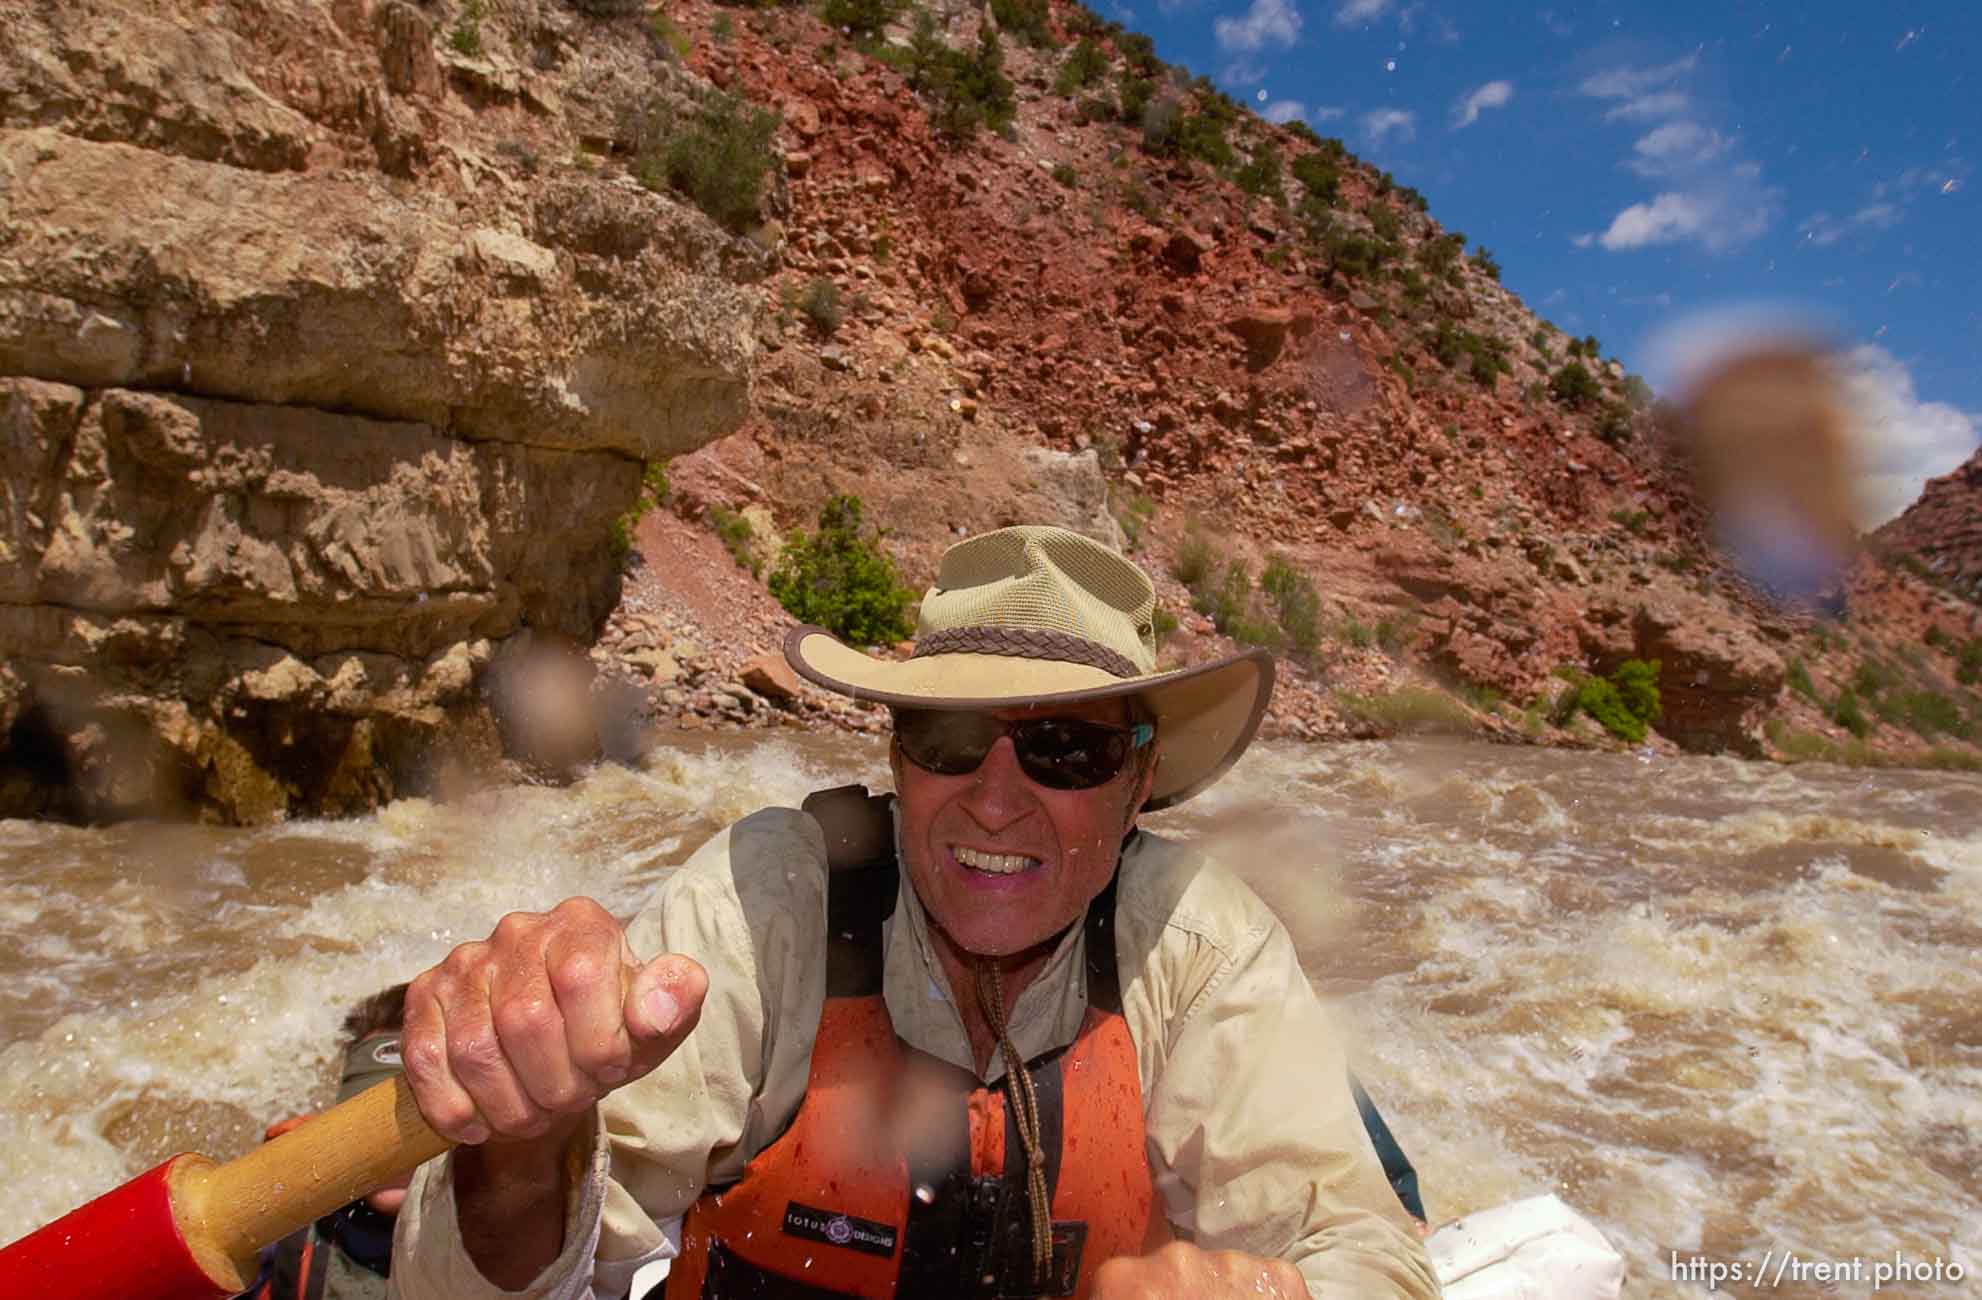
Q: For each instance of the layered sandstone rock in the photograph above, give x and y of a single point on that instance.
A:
(314, 396)
(1943, 529)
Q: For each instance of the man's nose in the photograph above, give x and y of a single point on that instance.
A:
(1000, 792)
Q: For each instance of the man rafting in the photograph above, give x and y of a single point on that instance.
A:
(987, 1038)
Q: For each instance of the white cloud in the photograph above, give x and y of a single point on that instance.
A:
(1268, 22)
(1494, 94)
(1659, 103)
(1633, 83)
(1822, 229)
(1668, 219)
(1379, 123)
(1351, 12)
(1667, 149)
(1903, 440)
(1282, 111)
(1725, 213)
(1707, 194)
(1879, 216)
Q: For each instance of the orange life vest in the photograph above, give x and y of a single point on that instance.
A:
(893, 1178)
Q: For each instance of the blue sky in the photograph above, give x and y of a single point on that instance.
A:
(1635, 166)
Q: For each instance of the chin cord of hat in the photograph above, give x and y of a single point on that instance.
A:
(1025, 1113)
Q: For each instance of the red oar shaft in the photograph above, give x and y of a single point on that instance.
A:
(189, 1229)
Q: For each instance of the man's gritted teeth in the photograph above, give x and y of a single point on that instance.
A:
(997, 864)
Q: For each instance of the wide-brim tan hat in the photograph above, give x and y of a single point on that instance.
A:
(1042, 616)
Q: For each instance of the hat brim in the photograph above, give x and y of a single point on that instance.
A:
(1205, 715)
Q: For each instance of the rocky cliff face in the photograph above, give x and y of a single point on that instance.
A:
(312, 396)
(1943, 529)
(334, 334)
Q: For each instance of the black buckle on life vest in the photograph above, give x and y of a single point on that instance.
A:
(999, 1246)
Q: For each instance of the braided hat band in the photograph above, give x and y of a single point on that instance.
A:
(1036, 617)
(1024, 643)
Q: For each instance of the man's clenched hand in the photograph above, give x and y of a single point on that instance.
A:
(1180, 1271)
(514, 1039)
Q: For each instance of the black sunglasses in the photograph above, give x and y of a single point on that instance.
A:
(1060, 753)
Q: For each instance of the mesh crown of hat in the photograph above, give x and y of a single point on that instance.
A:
(1040, 577)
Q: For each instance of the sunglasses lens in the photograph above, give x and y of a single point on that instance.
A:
(1070, 755)
(1059, 753)
(949, 744)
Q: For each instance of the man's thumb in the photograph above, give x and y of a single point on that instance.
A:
(664, 999)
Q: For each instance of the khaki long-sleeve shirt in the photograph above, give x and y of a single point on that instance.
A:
(1253, 1135)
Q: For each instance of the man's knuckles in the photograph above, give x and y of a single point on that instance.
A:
(527, 1021)
(585, 972)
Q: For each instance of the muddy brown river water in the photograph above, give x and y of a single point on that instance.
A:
(1721, 1008)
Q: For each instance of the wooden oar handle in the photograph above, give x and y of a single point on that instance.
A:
(189, 1229)
(228, 1212)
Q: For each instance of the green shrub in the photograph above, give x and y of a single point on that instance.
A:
(1931, 714)
(674, 42)
(1573, 385)
(1134, 517)
(1439, 255)
(717, 158)
(1066, 175)
(1485, 262)
(1623, 703)
(1320, 177)
(1085, 65)
(1486, 356)
(1202, 136)
(1846, 713)
(821, 305)
(1163, 624)
(1637, 683)
(1407, 709)
(927, 58)
(1027, 20)
(863, 20)
(1614, 423)
(838, 580)
(654, 481)
(1798, 677)
(1297, 604)
(1968, 666)
(653, 491)
(736, 535)
(1194, 560)
(1139, 53)
(1600, 700)
(1874, 678)
(466, 38)
(722, 31)
(1260, 177)
(971, 90)
(1162, 126)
